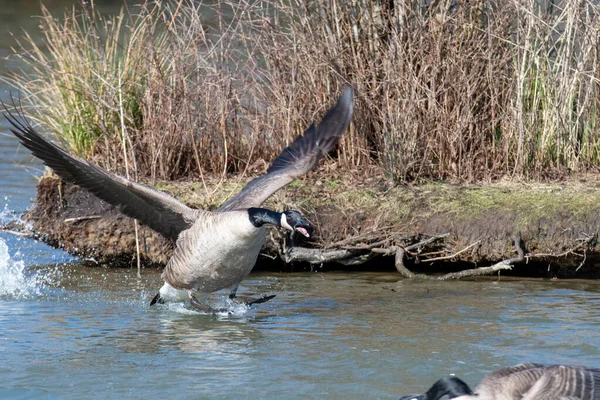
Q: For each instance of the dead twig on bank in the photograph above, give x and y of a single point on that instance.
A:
(585, 243)
(367, 247)
(17, 233)
(425, 242)
(351, 255)
(502, 265)
(374, 234)
(453, 255)
(79, 219)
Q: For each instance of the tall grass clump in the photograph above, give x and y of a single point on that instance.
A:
(556, 97)
(464, 91)
(153, 77)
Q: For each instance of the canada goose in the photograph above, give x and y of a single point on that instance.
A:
(214, 249)
(522, 382)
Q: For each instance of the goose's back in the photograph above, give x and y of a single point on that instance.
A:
(536, 381)
(217, 252)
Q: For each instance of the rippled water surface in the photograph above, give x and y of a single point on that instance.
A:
(72, 332)
(82, 332)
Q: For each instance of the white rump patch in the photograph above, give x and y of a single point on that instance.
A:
(169, 293)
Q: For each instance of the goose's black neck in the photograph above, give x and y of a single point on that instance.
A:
(260, 216)
(450, 386)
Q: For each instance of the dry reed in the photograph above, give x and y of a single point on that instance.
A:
(464, 91)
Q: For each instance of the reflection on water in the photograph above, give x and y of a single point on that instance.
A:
(324, 335)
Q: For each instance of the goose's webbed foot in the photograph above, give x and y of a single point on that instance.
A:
(263, 299)
(250, 302)
(204, 308)
(157, 300)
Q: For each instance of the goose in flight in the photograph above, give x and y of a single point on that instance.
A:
(214, 250)
(522, 382)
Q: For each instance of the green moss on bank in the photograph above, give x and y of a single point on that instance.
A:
(358, 207)
(526, 203)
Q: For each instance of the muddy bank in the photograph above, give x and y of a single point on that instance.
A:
(360, 217)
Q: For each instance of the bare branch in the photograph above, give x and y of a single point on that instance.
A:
(367, 247)
(502, 265)
(79, 219)
(452, 255)
(425, 242)
(585, 242)
(17, 233)
(314, 256)
(374, 234)
(399, 263)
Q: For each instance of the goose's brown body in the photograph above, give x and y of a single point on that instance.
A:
(217, 252)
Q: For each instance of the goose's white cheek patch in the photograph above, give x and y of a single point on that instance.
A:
(284, 222)
(303, 231)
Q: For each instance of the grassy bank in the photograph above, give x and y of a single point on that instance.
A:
(473, 92)
(358, 216)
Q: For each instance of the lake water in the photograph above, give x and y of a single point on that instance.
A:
(68, 331)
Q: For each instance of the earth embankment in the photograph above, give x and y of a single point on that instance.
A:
(360, 216)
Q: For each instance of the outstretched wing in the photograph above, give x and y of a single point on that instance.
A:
(158, 210)
(299, 158)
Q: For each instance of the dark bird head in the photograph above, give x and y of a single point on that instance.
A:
(450, 386)
(293, 221)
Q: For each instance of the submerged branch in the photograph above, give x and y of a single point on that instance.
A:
(399, 263)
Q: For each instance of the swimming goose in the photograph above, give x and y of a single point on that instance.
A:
(214, 249)
(522, 382)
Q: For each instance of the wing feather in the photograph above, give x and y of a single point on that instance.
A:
(298, 158)
(158, 210)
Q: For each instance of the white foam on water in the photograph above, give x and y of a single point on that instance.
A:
(232, 307)
(228, 307)
(6, 214)
(18, 281)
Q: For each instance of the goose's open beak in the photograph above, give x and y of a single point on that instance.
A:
(303, 231)
(304, 227)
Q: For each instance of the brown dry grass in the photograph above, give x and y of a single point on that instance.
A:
(462, 91)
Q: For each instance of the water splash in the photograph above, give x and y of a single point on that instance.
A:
(232, 307)
(18, 281)
(7, 215)
(226, 307)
